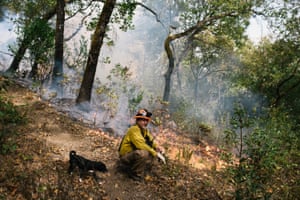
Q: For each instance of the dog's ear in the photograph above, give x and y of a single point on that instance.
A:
(72, 153)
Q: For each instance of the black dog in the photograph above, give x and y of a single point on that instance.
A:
(84, 165)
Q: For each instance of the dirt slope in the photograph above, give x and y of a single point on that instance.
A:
(38, 167)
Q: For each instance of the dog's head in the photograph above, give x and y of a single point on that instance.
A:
(72, 153)
(101, 167)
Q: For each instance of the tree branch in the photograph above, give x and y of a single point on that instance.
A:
(280, 93)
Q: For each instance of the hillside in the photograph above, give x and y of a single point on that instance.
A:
(37, 169)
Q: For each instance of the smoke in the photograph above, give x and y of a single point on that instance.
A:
(141, 50)
(8, 37)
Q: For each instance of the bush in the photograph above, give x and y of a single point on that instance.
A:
(9, 119)
(267, 164)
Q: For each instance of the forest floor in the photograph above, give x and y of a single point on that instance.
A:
(37, 168)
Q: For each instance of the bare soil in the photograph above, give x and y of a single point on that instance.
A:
(37, 169)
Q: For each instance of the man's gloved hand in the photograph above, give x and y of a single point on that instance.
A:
(161, 157)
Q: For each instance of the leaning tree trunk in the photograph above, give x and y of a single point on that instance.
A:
(59, 42)
(17, 58)
(170, 69)
(96, 44)
(170, 55)
(190, 32)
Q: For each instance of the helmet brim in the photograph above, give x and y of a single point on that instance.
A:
(142, 117)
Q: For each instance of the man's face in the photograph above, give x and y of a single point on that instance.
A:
(142, 123)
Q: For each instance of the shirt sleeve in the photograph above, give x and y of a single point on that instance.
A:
(139, 141)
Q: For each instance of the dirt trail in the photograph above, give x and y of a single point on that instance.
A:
(38, 169)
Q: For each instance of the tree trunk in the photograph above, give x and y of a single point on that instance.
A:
(170, 69)
(96, 44)
(196, 88)
(170, 55)
(59, 43)
(17, 58)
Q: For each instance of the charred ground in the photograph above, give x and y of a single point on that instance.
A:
(37, 168)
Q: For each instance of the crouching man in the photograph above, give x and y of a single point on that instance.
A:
(138, 150)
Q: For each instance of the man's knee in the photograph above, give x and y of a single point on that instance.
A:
(142, 154)
(135, 156)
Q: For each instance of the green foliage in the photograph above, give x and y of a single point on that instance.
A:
(179, 108)
(240, 122)
(30, 9)
(270, 149)
(248, 174)
(134, 100)
(4, 83)
(205, 127)
(29, 21)
(8, 112)
(271, 70)
(37, 35)
(92, 24)
(233, 25)
(119, 84)
(41, 37)
(185, 154)
(121, 75)
(120, 72)
(124, 15)
(268, 165)
(108, 98)
(10, 118)
(34, 33)
(7, 147)
(284, 19)
(76, 57)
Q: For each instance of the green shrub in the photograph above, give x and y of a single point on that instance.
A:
(267, 159)
(9, 119)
